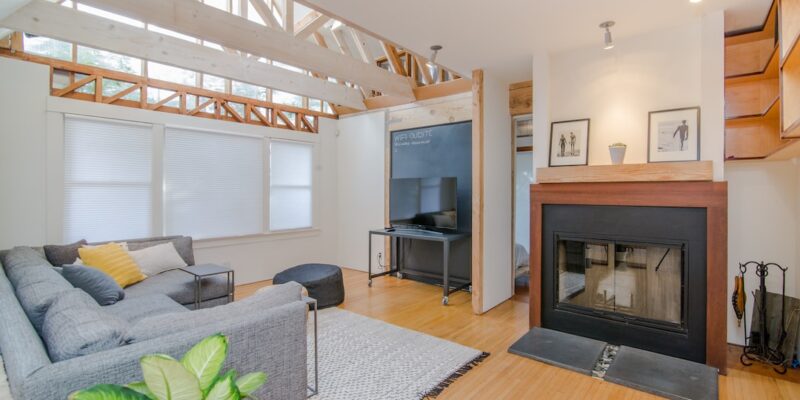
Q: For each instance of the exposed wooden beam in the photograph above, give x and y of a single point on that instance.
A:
(341, 43)
(310, 24)
(421, 93)
(344, 48)
(394, 60)
(196, 19)
(314, 5)
(288, 16)
(75, 85)
(63, 23)
(320, 40)
(361, 46)
(265, 12)
(123, 93)
(8, 7)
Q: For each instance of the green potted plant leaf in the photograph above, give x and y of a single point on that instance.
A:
(196, 376)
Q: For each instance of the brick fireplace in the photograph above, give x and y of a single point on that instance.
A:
(635, 263)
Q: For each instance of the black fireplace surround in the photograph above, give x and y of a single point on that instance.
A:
(598, 262)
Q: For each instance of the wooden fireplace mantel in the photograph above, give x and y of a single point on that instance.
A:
(713, 196)
(685, 171)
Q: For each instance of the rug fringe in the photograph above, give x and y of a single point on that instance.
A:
(438, 389)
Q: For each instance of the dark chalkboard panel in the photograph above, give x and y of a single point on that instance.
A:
(437, 151)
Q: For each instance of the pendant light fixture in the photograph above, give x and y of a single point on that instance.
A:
(432, 67)
(608, 41)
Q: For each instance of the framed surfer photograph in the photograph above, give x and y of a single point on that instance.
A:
(674, 135)
(569, 143)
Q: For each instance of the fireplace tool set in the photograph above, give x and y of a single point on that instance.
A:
(759, 345)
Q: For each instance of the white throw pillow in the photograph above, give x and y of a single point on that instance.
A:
(157, 259)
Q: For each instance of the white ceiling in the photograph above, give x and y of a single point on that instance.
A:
(500, 35)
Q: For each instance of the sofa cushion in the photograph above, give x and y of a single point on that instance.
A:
(179, 286)
(36, 289)
(22, 348)
(103, 289)
(18, 259)
(165, 324)
(112, 259)
(183, 245)
(134, 309)
(156, 259)
(75, 326)
(64, 253)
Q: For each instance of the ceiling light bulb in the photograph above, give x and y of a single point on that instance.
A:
(608, 41)
(695, 1)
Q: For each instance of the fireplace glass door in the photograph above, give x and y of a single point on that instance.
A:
(634, 282)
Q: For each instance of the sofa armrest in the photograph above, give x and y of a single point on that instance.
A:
(272, 341)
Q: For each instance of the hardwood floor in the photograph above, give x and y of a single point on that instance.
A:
(417, 306)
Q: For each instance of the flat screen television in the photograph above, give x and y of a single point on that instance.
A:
(426, 203)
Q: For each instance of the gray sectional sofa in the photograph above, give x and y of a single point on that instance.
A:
(55, 339)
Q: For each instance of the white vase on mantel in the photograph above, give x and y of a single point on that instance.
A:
(617, 151)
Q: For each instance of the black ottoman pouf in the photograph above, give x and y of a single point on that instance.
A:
(323, 282)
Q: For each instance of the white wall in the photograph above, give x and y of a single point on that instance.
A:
(616, 89)
(541, 109)
(31, 172)
(497, 181)
(360, 147)
(673, 68)
(763, 210)
(712, 62)
(23, 93)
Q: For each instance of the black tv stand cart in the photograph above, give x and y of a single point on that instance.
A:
(398, 234)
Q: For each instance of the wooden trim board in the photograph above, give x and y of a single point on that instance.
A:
(652, 172)
(477, 191)
(520, 98)
(713, 196)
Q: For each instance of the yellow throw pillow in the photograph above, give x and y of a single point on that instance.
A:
(114, 261)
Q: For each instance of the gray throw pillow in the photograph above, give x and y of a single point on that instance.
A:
(101, 286)
(75, 326)
(63, 254)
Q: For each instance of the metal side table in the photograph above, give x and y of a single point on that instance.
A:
(315, 390)
(204, 271)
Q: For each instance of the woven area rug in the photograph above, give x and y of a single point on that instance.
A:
(364, 358)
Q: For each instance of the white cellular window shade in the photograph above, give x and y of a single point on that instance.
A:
(107, 180)
(290, 185)
(213, 184)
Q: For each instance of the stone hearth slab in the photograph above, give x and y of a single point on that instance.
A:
(662, 375)
(561, 349)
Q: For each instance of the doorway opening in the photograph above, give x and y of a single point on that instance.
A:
(522, 156)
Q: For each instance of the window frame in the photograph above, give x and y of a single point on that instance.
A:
(160, 123)
(155, 170)
(268, 184)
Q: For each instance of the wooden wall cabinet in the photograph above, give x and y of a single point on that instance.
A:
(762, 87)
(789, 18)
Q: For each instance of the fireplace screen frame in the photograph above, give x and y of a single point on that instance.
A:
(639, 224)
(612, 241)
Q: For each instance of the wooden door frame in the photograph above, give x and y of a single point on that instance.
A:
(477, 190)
